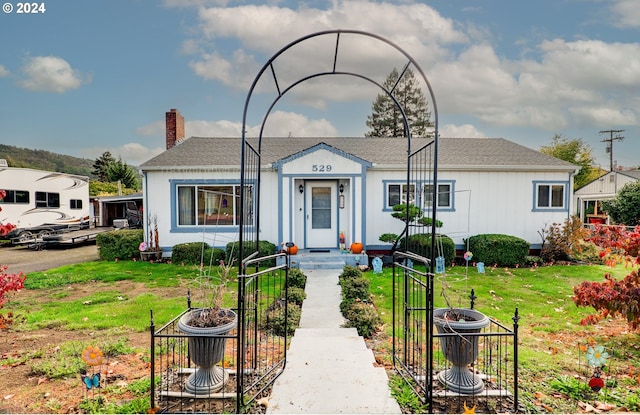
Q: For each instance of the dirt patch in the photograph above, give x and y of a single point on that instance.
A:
(23, 391)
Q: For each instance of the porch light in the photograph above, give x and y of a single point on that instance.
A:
(301, 188)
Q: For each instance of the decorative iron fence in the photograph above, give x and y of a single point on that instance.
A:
(254, 353)
(431, 360)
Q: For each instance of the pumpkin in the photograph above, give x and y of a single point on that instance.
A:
(292, 250)
(356, 247)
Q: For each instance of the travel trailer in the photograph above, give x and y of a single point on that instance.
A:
(41, 202)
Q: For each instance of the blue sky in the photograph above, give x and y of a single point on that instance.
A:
(86, 77)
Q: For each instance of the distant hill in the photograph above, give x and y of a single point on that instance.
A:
(46, 160)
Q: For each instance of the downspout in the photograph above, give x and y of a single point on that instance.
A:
(572, 187)
(145, 204)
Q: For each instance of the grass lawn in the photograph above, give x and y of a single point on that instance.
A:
(108, 303)
(553, 376)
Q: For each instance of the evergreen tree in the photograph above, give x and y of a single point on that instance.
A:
(386, 118)
(120, 171)
(101, 166)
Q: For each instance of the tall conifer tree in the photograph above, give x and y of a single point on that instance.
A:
(386, 118)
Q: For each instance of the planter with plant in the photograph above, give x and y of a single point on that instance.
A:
(460, 348)
(208, 328)
(150, 249)
(459, 329)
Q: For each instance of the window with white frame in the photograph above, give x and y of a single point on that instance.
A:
(214, 205)
(397, 194)
(443, 196)
(550, 195)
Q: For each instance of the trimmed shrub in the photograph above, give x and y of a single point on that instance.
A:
(421, 244)
(502, 250)
(296, 278)
(265, 248)
(563, 242)
(192, 253)
(364, 317)
(296, 295)
(120, 244)
(349, 271)
(280, 326)
(356, 288)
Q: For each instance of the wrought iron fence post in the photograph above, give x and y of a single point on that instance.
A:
(473, 298)
(516, 318)
(152, 328)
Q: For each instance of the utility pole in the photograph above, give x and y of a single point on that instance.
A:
(610, 141)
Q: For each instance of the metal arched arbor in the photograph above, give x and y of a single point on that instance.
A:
(413, 309)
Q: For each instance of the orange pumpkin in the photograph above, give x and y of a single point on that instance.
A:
(356, 247)
(292, 250)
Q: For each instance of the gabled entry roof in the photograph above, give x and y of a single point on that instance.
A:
(454, 153)
(321, 146)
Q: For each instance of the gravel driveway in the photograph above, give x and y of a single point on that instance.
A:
(21, 258)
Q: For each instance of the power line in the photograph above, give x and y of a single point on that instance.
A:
(610, 140)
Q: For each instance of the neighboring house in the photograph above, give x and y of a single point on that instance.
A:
(588, 198)
(486, 185)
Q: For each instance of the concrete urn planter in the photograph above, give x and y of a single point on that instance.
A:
(151, 255)
(459, 349)
(206, 348)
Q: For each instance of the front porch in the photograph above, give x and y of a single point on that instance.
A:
(325, 259)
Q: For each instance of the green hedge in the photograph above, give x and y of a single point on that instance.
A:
(265, 248)
(192, 253)
(296, 278)
(120, 244)
(502, 250)
(421, 244)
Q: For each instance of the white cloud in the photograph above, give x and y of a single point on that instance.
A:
(133, 154)
(4, 71)
(156, 128)
(50, 74)
(625, 13)
(552, 85)
(222, 128)
(261, 30)
(465, 130)
(571, 82)
(282, 124)
(279, 124)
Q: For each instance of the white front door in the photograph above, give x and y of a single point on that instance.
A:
(321, 214)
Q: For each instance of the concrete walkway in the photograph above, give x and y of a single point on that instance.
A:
(329, 369)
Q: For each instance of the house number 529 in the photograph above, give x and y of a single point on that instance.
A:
(319, 168)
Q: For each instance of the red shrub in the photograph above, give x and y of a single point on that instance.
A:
(612, 297)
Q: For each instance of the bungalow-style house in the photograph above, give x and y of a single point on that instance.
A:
(314, 189)
(588, 198)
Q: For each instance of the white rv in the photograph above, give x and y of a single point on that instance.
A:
(41, 202)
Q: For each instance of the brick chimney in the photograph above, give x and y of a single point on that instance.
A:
(175, 127)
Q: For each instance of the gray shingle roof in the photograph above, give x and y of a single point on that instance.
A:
(200, 152)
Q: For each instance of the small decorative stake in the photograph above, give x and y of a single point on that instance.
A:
(92, 356)
(597, 357)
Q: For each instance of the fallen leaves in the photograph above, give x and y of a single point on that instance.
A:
(597, 407)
